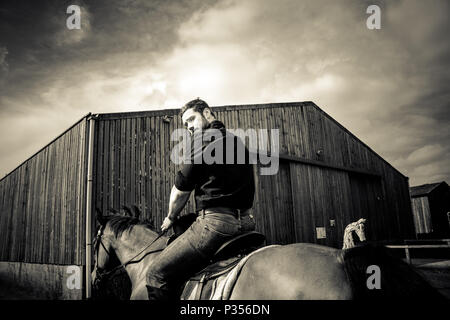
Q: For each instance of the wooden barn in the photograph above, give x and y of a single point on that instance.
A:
(431, 209)
(326, 179)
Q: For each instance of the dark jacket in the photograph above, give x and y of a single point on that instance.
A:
(217, 184)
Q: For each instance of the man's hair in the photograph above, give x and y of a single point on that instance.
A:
(198, 105)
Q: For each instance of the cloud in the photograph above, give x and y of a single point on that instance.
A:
(389, 87)
(3, 54)
(4, 67)
(70, 37)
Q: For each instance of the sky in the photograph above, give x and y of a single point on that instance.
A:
(389, 87)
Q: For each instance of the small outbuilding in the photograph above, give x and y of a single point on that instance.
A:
(431, 210)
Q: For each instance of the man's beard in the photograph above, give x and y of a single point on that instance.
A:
(204, 125)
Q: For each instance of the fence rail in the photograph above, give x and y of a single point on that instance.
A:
(407, 247)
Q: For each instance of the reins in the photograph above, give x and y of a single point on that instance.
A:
(123, 265)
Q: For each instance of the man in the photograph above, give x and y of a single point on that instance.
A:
(224, 193)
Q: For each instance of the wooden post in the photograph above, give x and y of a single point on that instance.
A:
(408, 258)
(88, 252)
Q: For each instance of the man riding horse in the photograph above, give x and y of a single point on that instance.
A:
(224, 193)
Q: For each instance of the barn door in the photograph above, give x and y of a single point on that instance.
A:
(368, 202)
(321, 204)
(273, 206)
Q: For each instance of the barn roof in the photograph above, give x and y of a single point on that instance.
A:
(423, 189)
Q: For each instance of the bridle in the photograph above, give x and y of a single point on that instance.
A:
(100, 273)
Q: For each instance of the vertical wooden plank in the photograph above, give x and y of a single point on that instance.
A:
(52, 219)
(132, 162)
(58, 201)
(123, 144)
(22, 210)
(66, 154)
(138, 169)
(10, 229)
(99, 176)
(169, 165)
(106, 165)
(112, 165)
(29, 209)
(50, 214)
(10, 208)
(39, 226)
(70, 207)
(142, 133)
(164, 171)
(152, 166)
(15, 245)
(72, 198)
(35, 213)
(127, 184)
(117, 163)
(149, 169)
(80, 258)
(77, 189)
(157, 154)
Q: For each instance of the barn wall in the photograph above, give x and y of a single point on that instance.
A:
(439, 206)
(132, 165)
(422, 216)
(19, 280)
(343, 182)
(42, 204)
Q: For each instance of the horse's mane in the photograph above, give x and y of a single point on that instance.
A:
(121, 223)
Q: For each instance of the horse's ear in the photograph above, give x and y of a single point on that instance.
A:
(99, 216)
(137, 212)
(127, 211)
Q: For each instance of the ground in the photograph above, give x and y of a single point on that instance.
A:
(10, 292)
(436, 272)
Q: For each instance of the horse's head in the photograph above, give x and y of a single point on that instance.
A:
(357, 227)
(360, 229)
(108, 242)
(104, 256)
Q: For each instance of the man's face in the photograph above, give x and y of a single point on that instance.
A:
(194, 120)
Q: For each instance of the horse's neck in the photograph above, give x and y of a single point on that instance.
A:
(348, 238)
(130, 244)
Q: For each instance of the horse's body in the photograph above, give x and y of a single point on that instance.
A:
(295, 271)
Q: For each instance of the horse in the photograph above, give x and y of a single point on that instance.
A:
(285, 272)
(357, 228)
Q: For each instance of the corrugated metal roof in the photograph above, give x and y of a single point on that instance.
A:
(423, 189)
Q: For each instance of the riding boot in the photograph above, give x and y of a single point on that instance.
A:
(157, 293)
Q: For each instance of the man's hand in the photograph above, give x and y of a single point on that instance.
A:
(177, 202)
(167, 223)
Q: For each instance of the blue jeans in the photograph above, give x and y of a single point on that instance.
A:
(193, 249)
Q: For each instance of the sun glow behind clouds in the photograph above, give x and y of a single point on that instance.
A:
(199, 79)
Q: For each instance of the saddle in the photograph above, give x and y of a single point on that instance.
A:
(216, 280)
